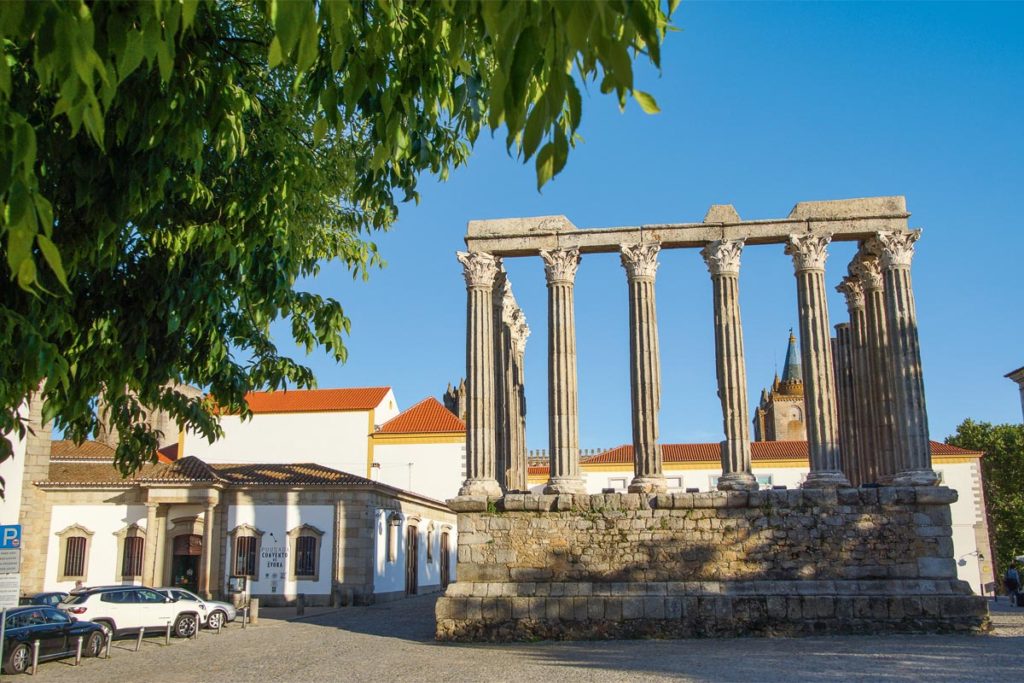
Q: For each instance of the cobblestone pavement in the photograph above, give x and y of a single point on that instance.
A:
(394, 642)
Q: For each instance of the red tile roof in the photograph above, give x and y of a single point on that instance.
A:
(65, 449)
(315, 400)
(760, 451)
(290, 474)
(426, 416)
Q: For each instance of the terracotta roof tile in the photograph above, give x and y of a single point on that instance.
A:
(65, 449)
(289, 474)
(315, 400)
(187, 470)
(426, 416)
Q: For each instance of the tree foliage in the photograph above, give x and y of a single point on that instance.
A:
(169, 169)
(1003, 476)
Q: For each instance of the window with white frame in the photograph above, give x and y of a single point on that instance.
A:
(305, 542)
(75, 542)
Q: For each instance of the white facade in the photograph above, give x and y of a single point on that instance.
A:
(103, 522)
(13, 472)
(336, 439)
(390, 549)
(275, 560)
(435, 470)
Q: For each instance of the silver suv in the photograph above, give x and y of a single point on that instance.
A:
(212, 613)
(123, 610)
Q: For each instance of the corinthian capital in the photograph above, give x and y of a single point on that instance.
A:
(478, 268)
(723, 256)
(808, 251)
(560, 265)
(896, 249)
(852, 288)
(519, 331)
(865, 267)
(640, 260)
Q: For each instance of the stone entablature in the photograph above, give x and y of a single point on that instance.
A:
(714, 563)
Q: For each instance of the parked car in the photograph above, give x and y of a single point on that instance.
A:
(213, 613)
(56, 631)
(51, 599)
(123, 610)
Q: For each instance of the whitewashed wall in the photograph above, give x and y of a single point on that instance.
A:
(275, 521)
(13, 472)
(104, 521)
(337, 439)
(432, 470)
(389, 577)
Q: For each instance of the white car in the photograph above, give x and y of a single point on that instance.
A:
(123, 610)
(212, 613)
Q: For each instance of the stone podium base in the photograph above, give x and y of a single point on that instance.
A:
(761, 563)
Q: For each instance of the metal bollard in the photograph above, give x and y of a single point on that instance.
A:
(300, 605)
(195, 634)
(245, 616)
(254, 611)
(78, 652)
(219, 624)
(142, 634)
(110, 640)
(35, 657)
(167, 636)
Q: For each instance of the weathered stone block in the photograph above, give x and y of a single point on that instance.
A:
(936, 567)
(632, 607)
(936, 495)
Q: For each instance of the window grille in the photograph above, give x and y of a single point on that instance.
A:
(74, 557)
(245, 555)
(131, 561)
(305, 556)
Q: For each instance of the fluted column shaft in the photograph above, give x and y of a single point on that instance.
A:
(848, 453)
(517, 473)
(641, 264)
(480, 270)
(882, 458)
(723, 262)
(861, 432)
(809, 253)
(563, 403)
(502, 366)
(913, 448)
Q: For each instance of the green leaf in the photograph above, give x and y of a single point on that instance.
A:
(274, 54)
(646, 102)
(188, 13)
(52, 256)
(26, 273)
(545, 164)
(319, 130)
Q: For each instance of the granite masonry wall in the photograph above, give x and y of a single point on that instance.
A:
(705, 564)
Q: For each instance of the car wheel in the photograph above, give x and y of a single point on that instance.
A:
(94, 644)
(19, 659)
(215, 620)
(186, 625)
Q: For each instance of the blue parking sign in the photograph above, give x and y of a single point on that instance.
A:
(10, 536)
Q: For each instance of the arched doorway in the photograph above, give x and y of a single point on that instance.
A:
(445, 561)
(185, 562)
(412, 559)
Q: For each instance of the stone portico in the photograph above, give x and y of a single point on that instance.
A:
(727, 562)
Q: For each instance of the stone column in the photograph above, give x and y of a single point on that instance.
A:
(913, 450)
(723, 262)
(563, 411)
(479, 270)
(881, 427)
(149, 555)
(500, 292)
(641, 264)
(209, 547)
(517, 472)
(860, 381)
(809, 254)
(841, 364)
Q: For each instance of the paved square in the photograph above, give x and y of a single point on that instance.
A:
(394, 642)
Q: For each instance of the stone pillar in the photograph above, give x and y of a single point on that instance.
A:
(149, 555)
(209, 547)
(641, 264)
(723, 262)
(809, 254)
(864, 449)
(848, 452)
(881, 428)
(500, 292)
(518, 468)
(913, 450)
(35, 513)
(479, 270)
(563, 411)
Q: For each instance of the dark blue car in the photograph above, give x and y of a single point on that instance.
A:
(56, 631)
(51, 599)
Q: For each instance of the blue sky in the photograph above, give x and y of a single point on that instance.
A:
(763, 105)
